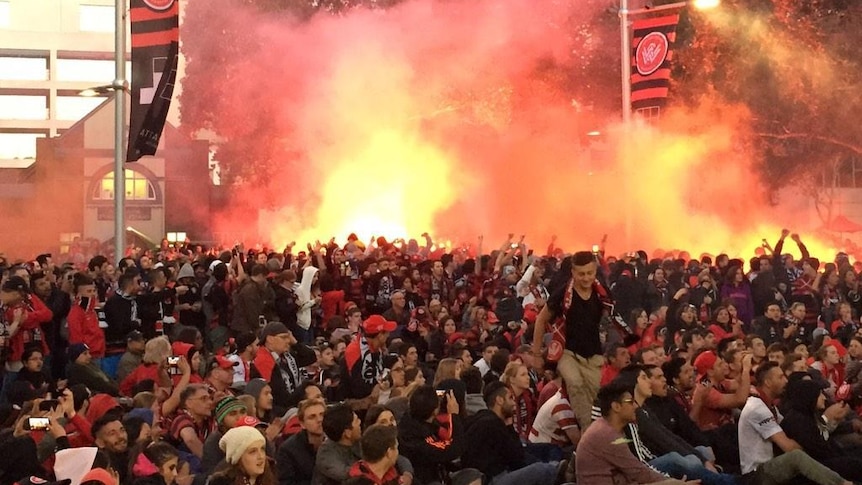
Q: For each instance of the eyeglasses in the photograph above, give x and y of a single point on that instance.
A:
(629, 401)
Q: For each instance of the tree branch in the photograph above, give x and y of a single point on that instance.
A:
(826, 139)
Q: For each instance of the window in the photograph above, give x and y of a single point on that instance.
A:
(96, 18)
(23, 68)
(23, 107)
(66, 240)
(5, 15)
(96, 71)
(18, 146)
(138, 187)
(74, 108)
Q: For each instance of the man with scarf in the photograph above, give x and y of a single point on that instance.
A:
(363, 358)
(581, 303)
(279, 361)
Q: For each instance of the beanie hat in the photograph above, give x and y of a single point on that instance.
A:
(225, 406)
(237, 440)
(254, 387)
(75, 350)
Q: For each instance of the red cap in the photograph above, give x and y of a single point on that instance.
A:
(99, 475)
(181, 349)
(455, 336)
(222, 362)
(376, 324)
(704, 362)
(248, 421)
(492, 317)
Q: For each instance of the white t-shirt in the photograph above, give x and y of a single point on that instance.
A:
(756, 425)
(553, 419)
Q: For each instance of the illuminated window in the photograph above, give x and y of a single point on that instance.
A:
(18, 146)
(23, 107)
(138, 187)
(66, 240)
(5, 17)
(96, 18)
(76, 107)
(23, 68)
(96, 71)
(173, 237)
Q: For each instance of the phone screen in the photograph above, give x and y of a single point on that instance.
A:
(38, 423)
(85, 302)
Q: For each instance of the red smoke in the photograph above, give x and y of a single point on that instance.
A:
(459, 118)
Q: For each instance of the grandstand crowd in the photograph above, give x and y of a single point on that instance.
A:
(392, 362)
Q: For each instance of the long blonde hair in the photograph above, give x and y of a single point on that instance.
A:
(157, 350)
(511, 371)
(446, 369)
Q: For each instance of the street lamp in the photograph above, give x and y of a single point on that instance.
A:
(626, 42)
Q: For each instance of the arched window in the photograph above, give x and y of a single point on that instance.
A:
(138, 187)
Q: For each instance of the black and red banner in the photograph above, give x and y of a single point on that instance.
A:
(155, 50)
(652, 53)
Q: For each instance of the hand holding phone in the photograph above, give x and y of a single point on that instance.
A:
(37, 424)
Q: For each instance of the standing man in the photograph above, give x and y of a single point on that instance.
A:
(580, 305)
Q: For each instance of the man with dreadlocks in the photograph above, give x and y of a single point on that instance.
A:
(574, 313)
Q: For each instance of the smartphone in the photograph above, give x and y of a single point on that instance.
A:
(84, 302)
(441, 393)
(595, 248)
(48, 404)
(38, 424)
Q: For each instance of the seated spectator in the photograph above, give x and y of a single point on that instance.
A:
(603, 455)
(246, 349)
(712, 405)
(228, 411)
(556, 424)
(192, 424)
(296, 456)
(31, 381)
(245, 453)
(154, 366)
(431, 436)
(495, 449)
(828, 362)
(153, 463)
(111, 438)
(617, 357)
(760, 430)
(484, 363)
(474, 401)
(809, 422)
(379, 446)
(81, 370)
(340, 451)
(219, 376)
(134, 356)
(517, 379)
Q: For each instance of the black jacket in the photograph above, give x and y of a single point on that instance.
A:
(295, 460)
(492, 446)
(118, 314)
(800, 422)
(419, 442)
(673, 417)
(92, 377)
(659, 439)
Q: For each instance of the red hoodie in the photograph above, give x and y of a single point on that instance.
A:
(361, 469)
(84, 327)
(35, 314)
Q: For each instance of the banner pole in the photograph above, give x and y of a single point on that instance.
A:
(119, 129)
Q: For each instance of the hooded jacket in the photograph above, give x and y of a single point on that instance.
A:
(421, 443)
(84, 327)
(304, 299)
(492, 447)
(802, 420)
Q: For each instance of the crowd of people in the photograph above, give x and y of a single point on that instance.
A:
(392, 362)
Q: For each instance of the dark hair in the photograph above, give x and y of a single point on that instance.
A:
(373, 414)
(158, 453)
(79, 280)
(96, 262)
(672, 368)
(133, 425)
(336, 420)
(298, 394)
(189, 392)
(628, 376)
(583, 258)
(611, 352)
(610, 394)
(259, 270)
(29, 351)
(105, 420)
(492, 391)
(472, 378)
(499, 361)
(423, 403)
(776, 347)
(126, 279)
(243, 340)
(377, 440)
(762, 370)
(405, 347)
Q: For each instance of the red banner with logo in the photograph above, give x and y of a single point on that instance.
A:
(652, 52)
(155, 50)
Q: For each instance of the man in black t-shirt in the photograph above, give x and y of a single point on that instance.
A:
(581, 360)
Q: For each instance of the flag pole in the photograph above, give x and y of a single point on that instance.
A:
(119, 86)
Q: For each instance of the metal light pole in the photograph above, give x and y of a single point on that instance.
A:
(626, 61)
(119, 86)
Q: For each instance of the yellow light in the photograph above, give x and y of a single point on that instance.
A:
(705, 4)
(594, 133)
(89, 93)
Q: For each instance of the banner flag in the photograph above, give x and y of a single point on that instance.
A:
(155, 49)
(652, 53)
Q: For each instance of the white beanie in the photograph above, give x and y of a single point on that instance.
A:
(236, 441)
